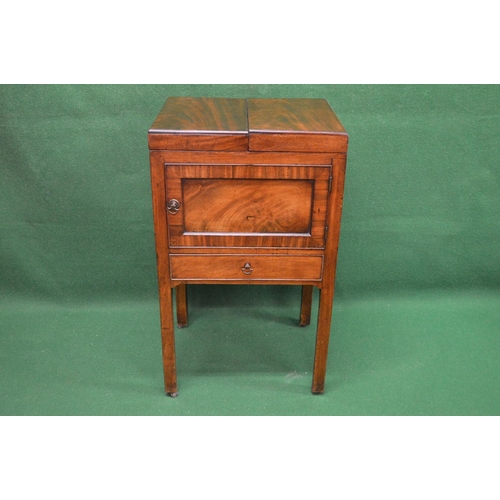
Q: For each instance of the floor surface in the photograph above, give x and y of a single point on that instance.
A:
(243, 354)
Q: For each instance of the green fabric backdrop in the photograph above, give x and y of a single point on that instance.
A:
(420, 234)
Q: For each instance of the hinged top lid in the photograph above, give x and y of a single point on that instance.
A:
(201, 124)
(294, 125)
(215, 124)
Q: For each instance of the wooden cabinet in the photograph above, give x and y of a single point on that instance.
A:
(247, 191)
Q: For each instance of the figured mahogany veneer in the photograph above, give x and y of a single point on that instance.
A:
(294, 125)
(247, 191)
(247, 206)
(190, 123)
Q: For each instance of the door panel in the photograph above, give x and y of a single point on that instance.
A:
(246, 205)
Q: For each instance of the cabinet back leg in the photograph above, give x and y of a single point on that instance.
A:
(305, 305)
(182, 306)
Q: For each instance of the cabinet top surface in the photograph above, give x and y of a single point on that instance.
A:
(201, 123)
(202, 115)
(292, 115)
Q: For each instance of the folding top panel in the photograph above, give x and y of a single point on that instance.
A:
(301, 125)
(201, 124)
(219, 124)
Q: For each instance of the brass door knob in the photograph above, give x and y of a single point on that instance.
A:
(247, 268)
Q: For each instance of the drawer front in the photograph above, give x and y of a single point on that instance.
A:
(246, 267)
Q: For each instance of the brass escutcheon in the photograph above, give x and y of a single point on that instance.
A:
(173, 206)
(247, 268)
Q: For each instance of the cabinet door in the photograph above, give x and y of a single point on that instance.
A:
(247, 205)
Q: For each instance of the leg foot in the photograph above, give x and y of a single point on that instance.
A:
(172, 394)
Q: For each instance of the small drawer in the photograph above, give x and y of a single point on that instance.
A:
(246, 267)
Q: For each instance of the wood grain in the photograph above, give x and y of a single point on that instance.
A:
(157, 172)
(247, 205)
(248, 250)
(232, 267)
(221, 124)
(246, 158)
(294, 125)
(328, 283)
(176, 175)
(200, 123)
(196, 142)
(296, 142)
(293, 115)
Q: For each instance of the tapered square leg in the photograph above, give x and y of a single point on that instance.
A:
(182, 307)
(168, 342)
(322, 339)
(305, 305)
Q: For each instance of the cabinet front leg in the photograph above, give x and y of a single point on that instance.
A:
(168, 343)
(305, 305)
(182, 307)
(322, 339)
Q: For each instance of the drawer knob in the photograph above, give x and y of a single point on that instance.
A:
(173, 206)
(247, 268)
